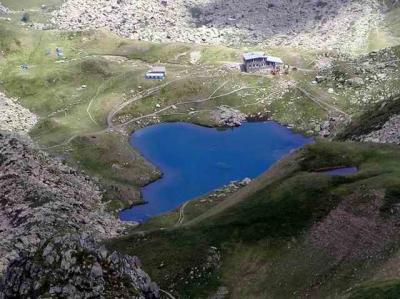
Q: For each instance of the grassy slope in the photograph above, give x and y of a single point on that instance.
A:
(29, 4)
(52, 88)
(264, 238)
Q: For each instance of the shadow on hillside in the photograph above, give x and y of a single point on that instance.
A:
(269, 17)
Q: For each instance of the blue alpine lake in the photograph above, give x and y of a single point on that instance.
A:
(195, 160)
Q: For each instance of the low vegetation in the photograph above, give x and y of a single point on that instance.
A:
(286, 238)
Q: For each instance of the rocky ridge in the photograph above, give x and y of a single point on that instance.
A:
(41, 197)
(389, 133)
(14, 117)
(343, 25)
(75, 266)
(226, 116)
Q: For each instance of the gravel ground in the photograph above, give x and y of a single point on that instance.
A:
(14, 117)
(389, 133)
(339, 24)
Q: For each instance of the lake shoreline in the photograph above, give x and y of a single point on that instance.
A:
(264, 130)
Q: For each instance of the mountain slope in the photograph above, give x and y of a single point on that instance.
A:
(341, 25)
(305, 234)
(51, 218)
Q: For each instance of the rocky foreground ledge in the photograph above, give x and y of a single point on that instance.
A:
(41, 198)
(75, 266)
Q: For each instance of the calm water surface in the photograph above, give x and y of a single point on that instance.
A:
(196, 160)
(341, 171)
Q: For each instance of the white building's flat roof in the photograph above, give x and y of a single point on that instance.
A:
(151, 74)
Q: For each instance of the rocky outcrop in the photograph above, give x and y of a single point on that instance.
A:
(40, 197)
(340, 24)
(75, 266)
(3, 10)
(389, 133)
(14, 117)
(362, 81)
(226, 116)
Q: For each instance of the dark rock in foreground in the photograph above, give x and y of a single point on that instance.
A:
(40, 197)
(51, 218)
(75, 266)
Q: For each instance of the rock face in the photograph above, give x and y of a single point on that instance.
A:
(14, 117)
(40, 197)
(226, 116)
(340, 24)
(389, 133)
(3, 10)
(75, 266)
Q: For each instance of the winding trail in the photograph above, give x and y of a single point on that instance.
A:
(66, 142)
(141, 96)
(97, 95)
(181, 214)
(91, 102)
(185, 103)
(118, 108)
(168, 294)
(323, 104)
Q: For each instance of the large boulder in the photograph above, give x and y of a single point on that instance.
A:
(226, 116)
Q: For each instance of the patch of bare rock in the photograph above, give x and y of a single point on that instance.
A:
(14, 117)
(41, 197)
(75, 266)
(226, 116)
(3, 10)
(389, 133)
(367, 79)
(339, 24)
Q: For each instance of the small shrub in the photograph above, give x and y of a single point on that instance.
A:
(25, 17)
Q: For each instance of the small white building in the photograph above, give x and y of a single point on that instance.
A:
(156, 73)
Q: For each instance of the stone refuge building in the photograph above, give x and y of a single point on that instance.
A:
(259, 61)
